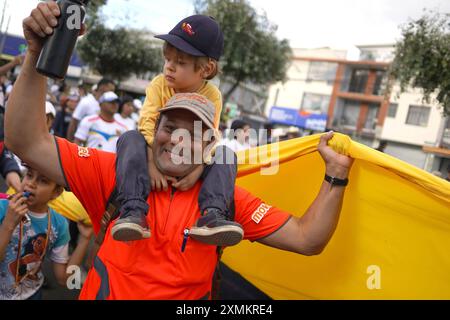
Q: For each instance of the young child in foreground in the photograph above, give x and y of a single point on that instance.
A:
(29, 232)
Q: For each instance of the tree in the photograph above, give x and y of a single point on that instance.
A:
(92, 11)
(252, 51)
(119, 53)
(422, 58)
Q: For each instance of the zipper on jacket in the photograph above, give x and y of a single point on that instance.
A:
(172, 195)
(185, 240)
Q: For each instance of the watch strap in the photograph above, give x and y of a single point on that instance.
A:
(336, 181)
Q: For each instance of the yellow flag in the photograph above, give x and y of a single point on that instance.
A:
(393, 237)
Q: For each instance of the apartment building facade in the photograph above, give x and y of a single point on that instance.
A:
(350, 95)
(416, 131)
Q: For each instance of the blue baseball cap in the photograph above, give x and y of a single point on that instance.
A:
(197, 35)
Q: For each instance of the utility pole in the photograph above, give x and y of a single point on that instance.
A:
(3, 35)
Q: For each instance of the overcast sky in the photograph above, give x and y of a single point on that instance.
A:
(307, 24)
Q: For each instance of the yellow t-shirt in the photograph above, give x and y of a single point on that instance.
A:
(157, 95)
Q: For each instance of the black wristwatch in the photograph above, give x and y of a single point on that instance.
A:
(336, 182)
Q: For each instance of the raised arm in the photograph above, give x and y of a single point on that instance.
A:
(72, 129)
(26, 132)
(310, 234)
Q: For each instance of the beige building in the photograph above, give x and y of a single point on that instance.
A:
(310, 83)
(415, 130)
(352, 96)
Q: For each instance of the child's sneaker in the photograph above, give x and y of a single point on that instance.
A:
(213, 228)
(131, 226)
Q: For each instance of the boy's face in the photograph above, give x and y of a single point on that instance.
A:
(243, 135)
(71, 105)
(110, 108)
(127, 109)
(179, 71)
(41, 189)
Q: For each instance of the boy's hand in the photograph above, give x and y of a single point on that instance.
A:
(18, 60)
(189, 181)
(17, 208)
(40, 24)
(157, 179)
(85, 230)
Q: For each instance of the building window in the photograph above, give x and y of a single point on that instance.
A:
(348, 117)
(358, 81)
(372, 117)
(379, 83)
(392, 112)
(418, 116)
(322, 71)
(316, 103)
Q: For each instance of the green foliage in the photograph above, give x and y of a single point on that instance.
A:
(92, 11)
(422, 58)
(252, 51)
(119, 53)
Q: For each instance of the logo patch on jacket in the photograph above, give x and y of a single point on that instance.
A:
(260, 213)
(188, 29)
(83, 152)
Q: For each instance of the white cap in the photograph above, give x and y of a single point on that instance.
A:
(137, 103)
(54, 89)
(109, 97)
(293, 130)
(50, 109)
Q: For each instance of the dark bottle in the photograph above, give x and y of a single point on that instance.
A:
(57, 50)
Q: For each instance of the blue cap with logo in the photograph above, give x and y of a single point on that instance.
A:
(197, 35)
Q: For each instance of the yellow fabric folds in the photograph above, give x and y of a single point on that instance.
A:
(69, 206)
(392, 241)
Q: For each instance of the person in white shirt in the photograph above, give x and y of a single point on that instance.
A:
(17, 61)
(126, 110)
(50, 113)
(238, 137)
(89, 106)
(102, 131)
(137, 109)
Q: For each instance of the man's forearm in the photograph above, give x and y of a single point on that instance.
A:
(76, 259)
(72, 129)
(26, 108)
(321, 219)
(63, 271)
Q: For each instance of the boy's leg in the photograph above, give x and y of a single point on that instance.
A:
(133, 188)
(216, 196)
